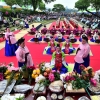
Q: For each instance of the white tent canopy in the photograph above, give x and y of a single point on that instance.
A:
(3, 3)
(16, 6)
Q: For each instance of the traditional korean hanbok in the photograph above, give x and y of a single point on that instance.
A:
(67, 47)
(10, 44)
(82, 31)
(51, 47)
(72, 38)
(24, 57)
(47, 37)
(76, 32)
(62, 30)
(53, 31)
(32, 31)
(37, 38)
(68, 31)
(80, 39)
(60, 38)
(88, 32)
(44, 30)
(58, 62)
(95, 38)
(82, 57)
(26, 24)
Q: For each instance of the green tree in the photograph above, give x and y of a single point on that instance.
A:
(82, 4)
(10, 2)
(95, 4)
(35, 3)
(42, 6)
(58, 8)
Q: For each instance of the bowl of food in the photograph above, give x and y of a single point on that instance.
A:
(54, 96)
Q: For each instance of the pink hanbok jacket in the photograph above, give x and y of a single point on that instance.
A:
(10, 35)
(20, 55)
(83, 53)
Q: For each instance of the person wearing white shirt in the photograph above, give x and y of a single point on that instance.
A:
(37, 37)
(72, 37)
(59, 37)
(95, 38)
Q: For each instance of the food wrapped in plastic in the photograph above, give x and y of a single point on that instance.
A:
(83, 98)
(54, 96)
(41, 98)
(39, 87)
(22, 88)
(56, 86)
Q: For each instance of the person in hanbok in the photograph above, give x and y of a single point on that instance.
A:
(82, 55)
(62, 30)
(53, 30)
(68, 31)
(58, 62)
(67, 47)
(47, 37)
(59, 37)
(37, 37)
(10, 43)
(72, 37)
(80, 39)
(23, 55)
(32, 30)
(44, 30)
(26, 24)
(95, 38)
(89, 33)
(82, 30)
(76, 31)
(51, 46)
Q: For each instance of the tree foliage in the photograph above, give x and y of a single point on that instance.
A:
(82, 4)
(42, 6)
(58, 8)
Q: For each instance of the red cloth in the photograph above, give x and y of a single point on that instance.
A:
(58, 61)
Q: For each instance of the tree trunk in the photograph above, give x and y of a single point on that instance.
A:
(93, 13)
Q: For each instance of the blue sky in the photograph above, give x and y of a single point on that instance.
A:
(66, 3)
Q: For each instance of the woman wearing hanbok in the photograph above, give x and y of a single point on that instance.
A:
(37, 37)
(58, 62)
(95, 38)
(23, 55)
(62, 30)
(76, 31)
(82, 55)
(82, 30)
(72, 37)
(26, 24)
(51, 46)
(44, 30)
(32, 30)
(59, 37)
(68, 31)
(67, 47)
(89, 33)
(53, 30)
(80, 39)
(47, 37)
(10, 43)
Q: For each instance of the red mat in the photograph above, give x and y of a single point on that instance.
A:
(36, 51)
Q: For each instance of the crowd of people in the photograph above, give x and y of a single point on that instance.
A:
(54, 38)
